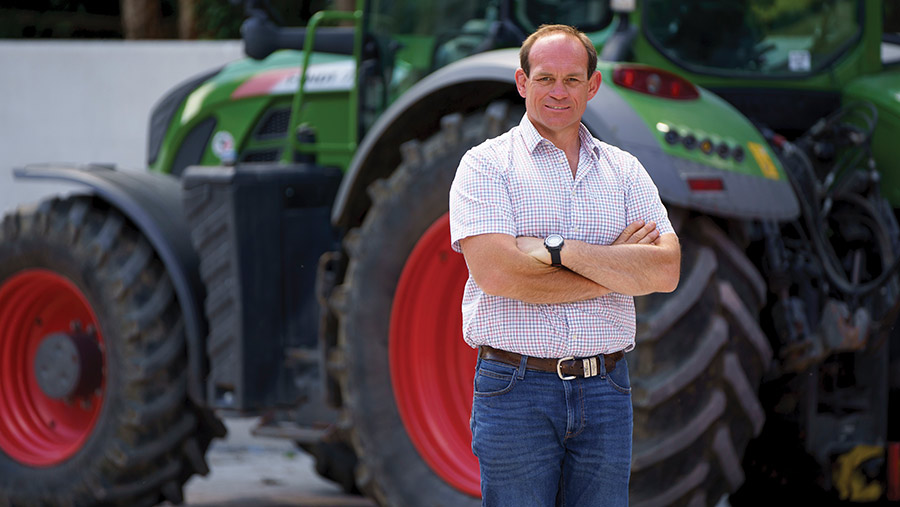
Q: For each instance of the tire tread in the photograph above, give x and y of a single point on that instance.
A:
(151, 434)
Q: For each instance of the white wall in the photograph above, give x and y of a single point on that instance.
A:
(87, 101)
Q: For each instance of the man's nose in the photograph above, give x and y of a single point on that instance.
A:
(558, 90)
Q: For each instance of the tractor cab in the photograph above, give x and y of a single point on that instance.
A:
(752, 39)
(417, 38)
(786, 65)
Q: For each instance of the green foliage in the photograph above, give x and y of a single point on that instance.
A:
(217, 19)
(64, 19)
(59, 19)
(220, 19)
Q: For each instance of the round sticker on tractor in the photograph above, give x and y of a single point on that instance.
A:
(223, 146)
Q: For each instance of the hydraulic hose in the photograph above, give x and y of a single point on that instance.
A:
(828, 260)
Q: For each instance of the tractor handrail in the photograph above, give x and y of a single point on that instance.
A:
(295, 144)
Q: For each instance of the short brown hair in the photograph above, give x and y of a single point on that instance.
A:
(545, 30)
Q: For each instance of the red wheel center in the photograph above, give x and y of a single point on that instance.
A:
(39, 311)
(431, 365)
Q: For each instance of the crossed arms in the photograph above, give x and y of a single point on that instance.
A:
(639, 261)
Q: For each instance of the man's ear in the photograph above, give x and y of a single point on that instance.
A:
(520, 81)
(594, 84)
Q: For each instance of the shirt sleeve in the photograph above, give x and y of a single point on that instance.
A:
(479, 199)
(642, 200)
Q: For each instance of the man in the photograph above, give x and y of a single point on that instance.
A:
(559, 231)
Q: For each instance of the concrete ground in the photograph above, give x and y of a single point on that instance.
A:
(249, 471)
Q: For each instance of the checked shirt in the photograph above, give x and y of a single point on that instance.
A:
(520, 184)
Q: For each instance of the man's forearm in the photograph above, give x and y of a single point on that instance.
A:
(632, 269)
(501, 269)
(639, 261)
(544, 284)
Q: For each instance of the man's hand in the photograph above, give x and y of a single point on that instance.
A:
(535, 248)
(637, 232)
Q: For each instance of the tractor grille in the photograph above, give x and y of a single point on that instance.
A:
(273, 124)
(194, 145)
(261, 156)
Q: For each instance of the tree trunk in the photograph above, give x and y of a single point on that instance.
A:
(345, 5)
(141, 19)
(187, 19)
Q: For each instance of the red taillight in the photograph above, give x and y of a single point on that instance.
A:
(653, 81)
(705, 184)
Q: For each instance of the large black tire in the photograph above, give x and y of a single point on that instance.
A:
(390, 469)
(696, 369)
(335, 461)
(147, 439)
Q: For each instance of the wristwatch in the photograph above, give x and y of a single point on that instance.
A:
(554, 244)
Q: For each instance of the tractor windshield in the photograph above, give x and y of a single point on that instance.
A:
(424, 36)
(760, 37)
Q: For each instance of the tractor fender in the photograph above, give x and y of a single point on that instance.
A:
(152, 201)
(469, 83)
(477, 80)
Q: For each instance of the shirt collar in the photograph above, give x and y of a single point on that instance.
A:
(533, 138)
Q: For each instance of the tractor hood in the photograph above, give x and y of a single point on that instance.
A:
(702, 153)
(739, 177)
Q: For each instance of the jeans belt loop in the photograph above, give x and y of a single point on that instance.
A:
(590, 366)
(523, 364)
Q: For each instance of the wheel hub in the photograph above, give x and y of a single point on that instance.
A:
(52, 374)
(68, 365)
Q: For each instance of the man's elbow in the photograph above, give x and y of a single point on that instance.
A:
(669, 283)
(492, 283)
(670, 274)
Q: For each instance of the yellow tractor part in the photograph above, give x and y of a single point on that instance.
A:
(849, 480)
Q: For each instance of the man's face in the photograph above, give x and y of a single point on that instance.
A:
(559, 87)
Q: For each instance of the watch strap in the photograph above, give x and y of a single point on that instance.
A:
(555, 259)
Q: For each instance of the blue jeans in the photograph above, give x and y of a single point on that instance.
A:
(543, 441)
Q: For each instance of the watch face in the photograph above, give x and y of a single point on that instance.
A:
(554, 241)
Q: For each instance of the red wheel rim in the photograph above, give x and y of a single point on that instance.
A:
(431, 365)
(35, 429)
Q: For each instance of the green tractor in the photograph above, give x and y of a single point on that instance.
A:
(288, 256)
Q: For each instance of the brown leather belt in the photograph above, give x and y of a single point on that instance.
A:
(567, 368)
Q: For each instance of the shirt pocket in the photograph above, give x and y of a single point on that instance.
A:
(602, 212)
(539, 208)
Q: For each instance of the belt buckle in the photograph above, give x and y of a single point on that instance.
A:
(559, 368)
